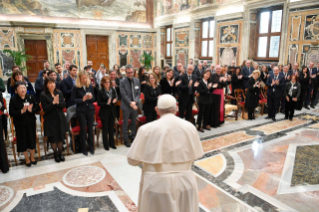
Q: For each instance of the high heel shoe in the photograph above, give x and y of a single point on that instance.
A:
(34, 162)
(113, 147)
(28, 164)
(56, 158)
(61, 157)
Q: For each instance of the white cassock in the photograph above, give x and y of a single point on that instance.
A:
(167, 149)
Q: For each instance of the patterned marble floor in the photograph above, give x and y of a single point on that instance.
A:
(248, 166)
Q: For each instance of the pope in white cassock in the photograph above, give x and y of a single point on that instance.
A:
(167, 149)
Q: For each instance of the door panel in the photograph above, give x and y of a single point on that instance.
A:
(98, 50)
(38, 50)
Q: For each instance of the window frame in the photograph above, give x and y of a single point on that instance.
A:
(269, 34)
(206, 39)
(169, 42)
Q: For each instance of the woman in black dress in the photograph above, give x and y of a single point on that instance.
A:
(55, 125)
(167, 83)
(4, 166)
(204, 101)
(142, 76)
(106, 99)
(152, 92)
(83, 96)
(22, 108)
(252, 97)
(304, 82)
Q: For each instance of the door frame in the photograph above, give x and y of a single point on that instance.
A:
(112, 44)
(47, 38)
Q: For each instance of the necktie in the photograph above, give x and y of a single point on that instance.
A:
(190, 90)
(310, 76)
(132, 86)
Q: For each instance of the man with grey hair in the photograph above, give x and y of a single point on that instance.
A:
(130, 89)
(246, 72)
(167, 148)
(205, 66)
(212, 69)
(275, 85)
(295, 70)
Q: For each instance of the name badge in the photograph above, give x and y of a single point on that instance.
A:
(273, 90)
(136, 87)
(295, 87)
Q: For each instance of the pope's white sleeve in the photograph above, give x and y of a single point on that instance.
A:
(133, 162)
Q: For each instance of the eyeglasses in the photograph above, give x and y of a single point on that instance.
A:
(129, 72)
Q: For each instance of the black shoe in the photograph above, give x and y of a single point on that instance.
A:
(307, 107)
(127, 144)
(312, 106)
(106, 148)
(61, 157)
(286, 117)
(290, 119)
(132, 138)
(56, 158)
(207, 128)
(253, 118)
(85, 153)
(274, 119)
(267, 117)
(200, 129)
(113, 147)
(34, 162)
(92, 152)
(28, 164)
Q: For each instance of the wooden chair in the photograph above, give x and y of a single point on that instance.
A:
(263, 100)
(240, 99)
(14, 142)
(119, 124)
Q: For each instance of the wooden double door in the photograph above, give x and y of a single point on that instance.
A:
(38, 50)
(98, 50)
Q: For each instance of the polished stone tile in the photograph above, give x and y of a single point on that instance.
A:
(280, 126)
(214, 165)
(226, 140)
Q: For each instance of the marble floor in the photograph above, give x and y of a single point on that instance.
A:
(248, 166)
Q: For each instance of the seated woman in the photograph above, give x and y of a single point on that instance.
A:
(83, 96)
(152, 92)
(204, 101)
(18, 77)
(55, 125)
(22, 108)
(167, 83)
(252, 97)
(292, 93)
(106, 99)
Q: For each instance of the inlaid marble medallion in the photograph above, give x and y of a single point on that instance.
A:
(6, 193)
(214, 165)
(84, 176)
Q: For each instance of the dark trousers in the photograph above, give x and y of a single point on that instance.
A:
(129, 114)
(309, 90)
(204, 110)
(273, 106)
(250, 113)
(150, 115)
(290, 108)
(4, 120)
(188, 107)
(86, 120)
(314, 94)
(108, 131)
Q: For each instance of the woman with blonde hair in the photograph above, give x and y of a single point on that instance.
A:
(252, 97)
(157, 72)
(152, 92)
(83, 97)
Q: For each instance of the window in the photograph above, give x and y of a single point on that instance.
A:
(268, 34)
(207, 39)
(168, 42)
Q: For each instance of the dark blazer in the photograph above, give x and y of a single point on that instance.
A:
(294, 72)
(236, 83)
(39, 87)
(58, 78)
(214, 78)
(197, 73)
(50, 117)
(183, 88)
(15, 106)
(102, 99)
(58, 85)
(262, 77)
(312, 72)
(252, 97)
(204, 93)
(289, 74)
(142, 79)
(304, 81)
(77, 98)
(277, 93)
(9, 83)
(166, 88)
(67, 87)
(126, 92)
(296, 91)
(117, 81)
(246, 73)
(151, 96)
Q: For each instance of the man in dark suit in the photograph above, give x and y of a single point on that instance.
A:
(295, 70)
(59, 72)
(130, 89)
(186, 88)
(90, 63)
(67, 85)
(317, 96)
(246, 73)
(275, 85)
(115, 83)
(287, 76)
(205, 65)
(176, 72)
(179, 70)
(39, 85)
(313, 86)
(53, 75)
(46, 66)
